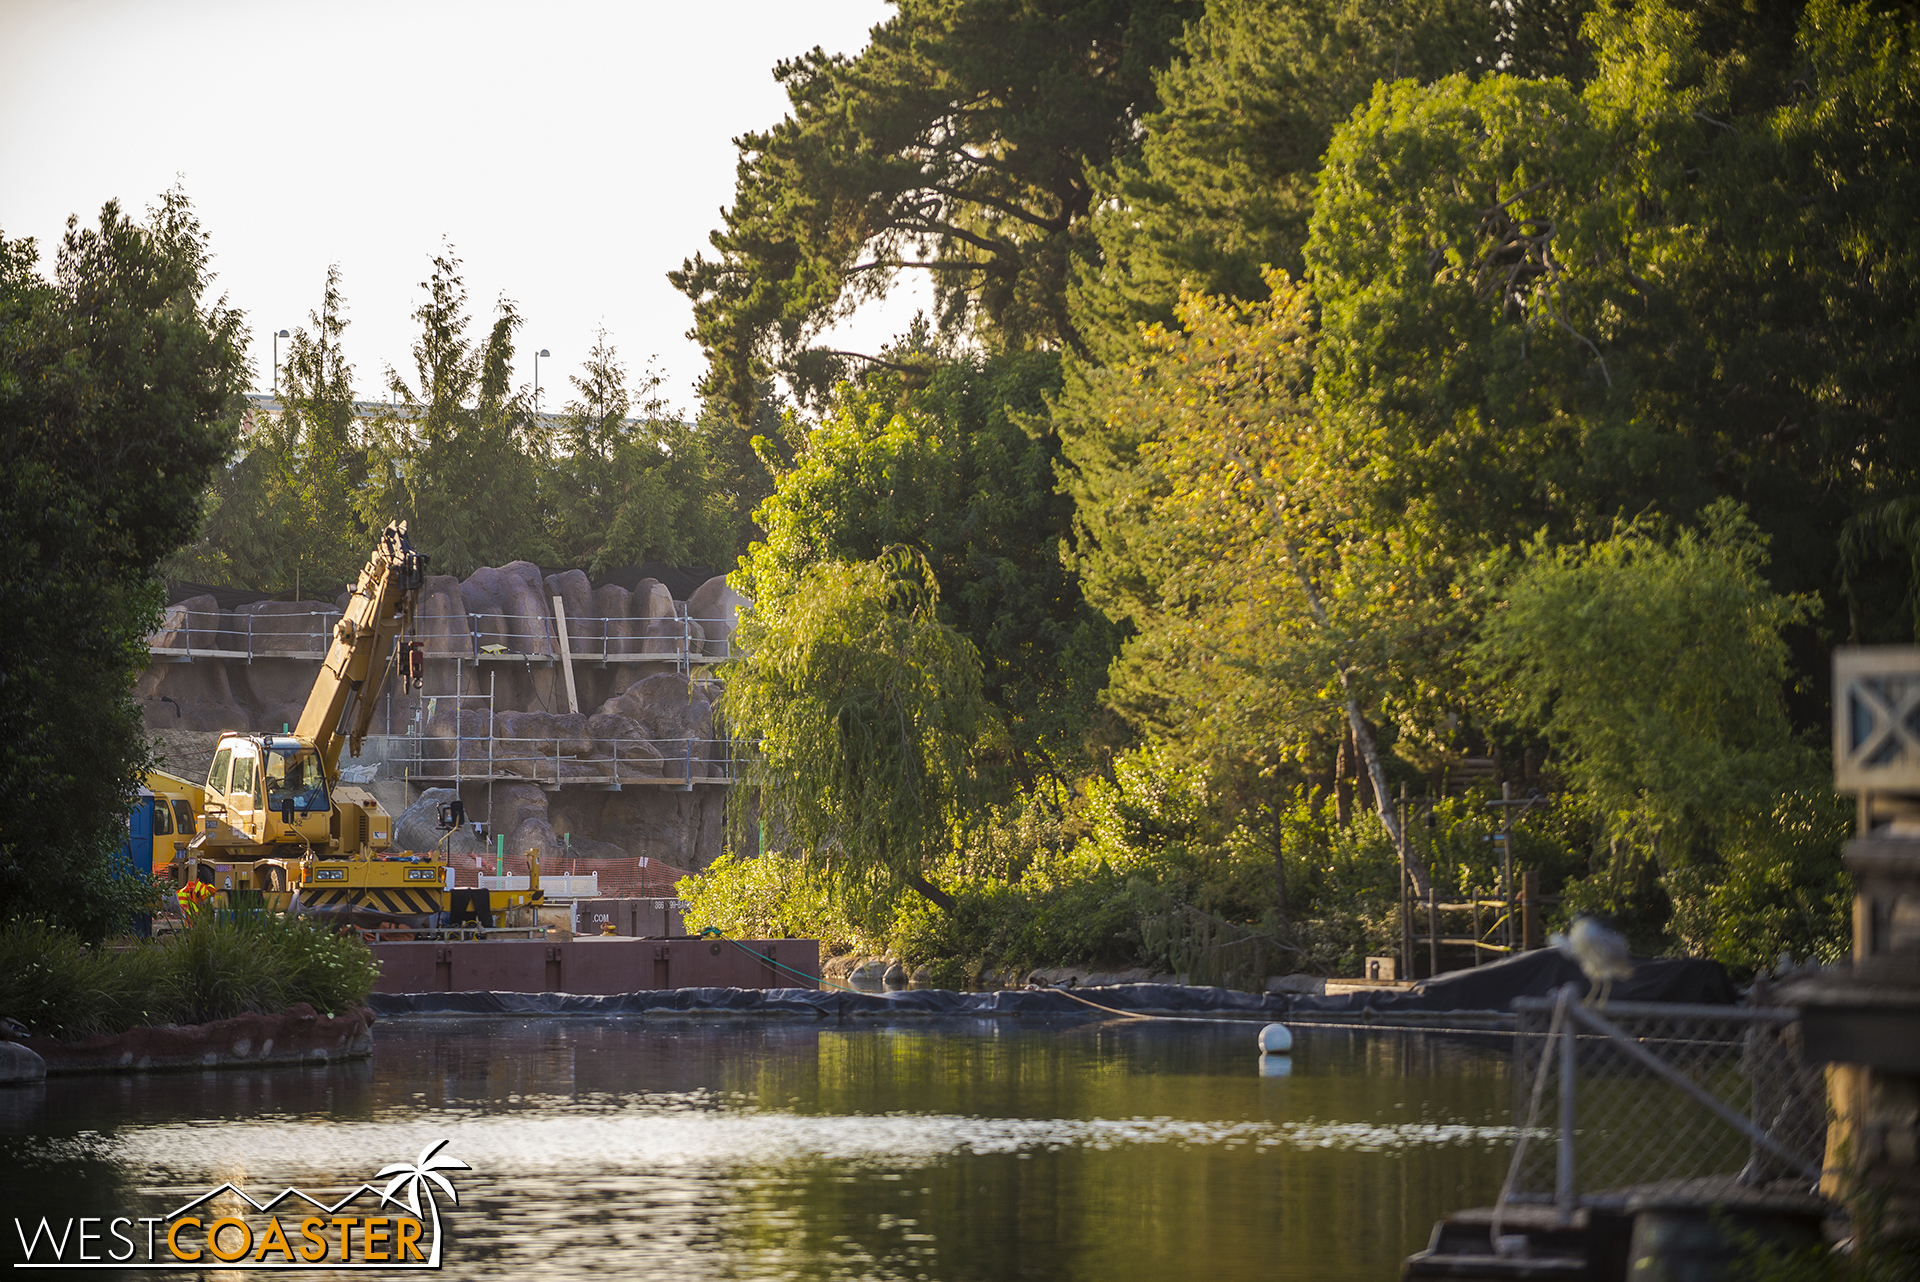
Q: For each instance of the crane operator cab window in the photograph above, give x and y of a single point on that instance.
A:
(293, 774)
(240, 790)
(217, 777)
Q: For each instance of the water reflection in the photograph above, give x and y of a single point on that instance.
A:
(949, 1150)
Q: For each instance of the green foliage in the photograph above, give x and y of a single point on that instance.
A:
(1266, 594)
(260, 961)
(766, 897)
(957, 143)
(959, 466)
(58, 987)
(281, 515)
(1658, 668)
(1545, 304)
(459, 459)
(622, 491)
(1222, 185)
(857, 711)
(116, 384)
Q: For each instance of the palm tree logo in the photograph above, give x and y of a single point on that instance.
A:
(419, 1175)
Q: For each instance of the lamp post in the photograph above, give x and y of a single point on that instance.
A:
(536, 384)
(278, 335)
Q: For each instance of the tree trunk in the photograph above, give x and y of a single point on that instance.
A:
(1364, 793)
(1279, 862)
(1370, 753)
(1342, 789)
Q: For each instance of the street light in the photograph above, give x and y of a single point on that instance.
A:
(276, 359)
(536, 383)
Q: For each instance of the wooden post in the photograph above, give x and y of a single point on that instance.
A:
(1406, 835)
(1506, 863)
(1530, 935)
(566, 653)
(1433, 928)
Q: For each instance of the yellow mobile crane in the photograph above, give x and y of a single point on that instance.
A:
(280, 827)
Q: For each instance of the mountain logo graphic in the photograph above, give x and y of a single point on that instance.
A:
(322, 1234)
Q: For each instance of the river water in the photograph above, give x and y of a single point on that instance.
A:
(953, 1149)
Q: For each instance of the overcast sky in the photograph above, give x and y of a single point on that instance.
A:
(571, 152)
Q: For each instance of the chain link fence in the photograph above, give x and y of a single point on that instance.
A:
(1625, 1096)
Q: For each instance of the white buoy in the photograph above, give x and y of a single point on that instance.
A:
(1276, 1066)
(1275, 1039)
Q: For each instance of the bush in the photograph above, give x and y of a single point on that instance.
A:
(222, 967)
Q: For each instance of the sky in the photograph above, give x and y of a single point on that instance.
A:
(571, 153)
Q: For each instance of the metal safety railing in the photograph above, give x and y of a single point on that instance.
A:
(1610, 1099)
(186, 634)
(675, 639)
(556, 759)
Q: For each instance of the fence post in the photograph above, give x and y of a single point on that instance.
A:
(1433, 927)
(1563, 1176)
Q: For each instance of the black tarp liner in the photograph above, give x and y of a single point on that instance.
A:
(1483, 989)
(1539, 973)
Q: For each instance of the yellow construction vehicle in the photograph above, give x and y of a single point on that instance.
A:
(277, 826)
(177, 804)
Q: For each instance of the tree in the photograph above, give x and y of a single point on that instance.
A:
(459, 459)
(957, 143)
(1544, 306)
(958, 464)
(1265, 594)
(1221, 186)
(318, 398)
(857, 711)
(623, 490)
(1656, 667)
(281, 516)
(117, 379)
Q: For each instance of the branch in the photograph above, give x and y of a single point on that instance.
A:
(1005, 207)
(871, 360)
(927, 264)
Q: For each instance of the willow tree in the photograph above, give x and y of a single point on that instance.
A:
(854, 712)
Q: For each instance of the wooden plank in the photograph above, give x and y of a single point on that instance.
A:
(566, 653)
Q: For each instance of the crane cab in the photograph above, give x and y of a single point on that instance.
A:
(176, 816)
(268, 790)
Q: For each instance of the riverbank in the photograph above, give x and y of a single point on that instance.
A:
(297, 1035)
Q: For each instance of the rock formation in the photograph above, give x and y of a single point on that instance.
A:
(493, 685)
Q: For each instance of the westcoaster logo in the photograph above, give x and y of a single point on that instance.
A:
(196, 1237)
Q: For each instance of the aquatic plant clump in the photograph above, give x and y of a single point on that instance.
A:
(226, 965)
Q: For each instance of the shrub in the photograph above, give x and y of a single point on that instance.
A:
(223, 966)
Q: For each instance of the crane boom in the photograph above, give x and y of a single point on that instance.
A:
(360, 659)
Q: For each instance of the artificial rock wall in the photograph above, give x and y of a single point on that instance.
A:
(642, 716)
